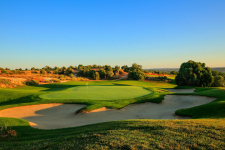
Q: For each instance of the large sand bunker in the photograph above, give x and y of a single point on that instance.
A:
(54, 116)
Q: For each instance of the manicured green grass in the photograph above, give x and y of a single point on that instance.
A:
(99, 93)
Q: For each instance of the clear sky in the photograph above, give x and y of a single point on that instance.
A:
(152, 33)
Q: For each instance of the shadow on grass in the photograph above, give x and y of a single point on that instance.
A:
(61, 87)
(21, 100)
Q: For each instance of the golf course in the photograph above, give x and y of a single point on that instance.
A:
(111, 114)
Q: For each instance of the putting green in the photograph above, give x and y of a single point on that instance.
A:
(99, 93)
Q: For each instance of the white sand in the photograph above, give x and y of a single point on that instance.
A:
(54, 116)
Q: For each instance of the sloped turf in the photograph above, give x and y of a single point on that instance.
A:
(99, 93)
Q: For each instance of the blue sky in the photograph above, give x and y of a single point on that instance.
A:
(152, 33)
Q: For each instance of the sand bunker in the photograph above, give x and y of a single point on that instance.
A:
(181, 90)
(54, 116)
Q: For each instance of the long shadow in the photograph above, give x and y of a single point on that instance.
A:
(21, 100)
(121, 84)
(55, 87)
(61, 87)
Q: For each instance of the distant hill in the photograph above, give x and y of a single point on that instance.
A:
(220, 69)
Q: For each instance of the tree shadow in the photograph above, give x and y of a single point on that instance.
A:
(21, 100)
(55, 87)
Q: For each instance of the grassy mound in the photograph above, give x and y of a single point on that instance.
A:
(131, 134)
(99, 93)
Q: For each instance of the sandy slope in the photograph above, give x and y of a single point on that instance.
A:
(181, 90)
(54, 116)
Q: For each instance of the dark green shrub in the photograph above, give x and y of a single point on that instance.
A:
(32, 82)
(173, 72)
(218, 81)
(194, 74)
(42, 71)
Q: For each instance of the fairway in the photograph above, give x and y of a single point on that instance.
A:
(99, 93)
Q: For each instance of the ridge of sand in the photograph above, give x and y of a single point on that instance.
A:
(55, 116)
(99, 110)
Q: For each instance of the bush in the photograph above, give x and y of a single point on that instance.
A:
(42, 71)
(4, 132)
(71, 75)
(194, 74)
(32, 82)
(55, 80)
(3, 71)
(56, 71)
(162, 77)
(47, 81)
(4, 81)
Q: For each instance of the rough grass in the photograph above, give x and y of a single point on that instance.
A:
(131, 134)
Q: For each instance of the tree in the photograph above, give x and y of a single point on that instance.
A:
(95, 66)
(215, 73)
(110, 74)
(140, 75)
(71, 75)
(125, 66)
(173, 72)
(117, 68)
(136, 72)
(96, 76)
(194, 74)
(108, 68)
(56, 71)
(69, 71)
(80, 67)
(102, 74)
(56, 68)
(218, 81)
(92, 73)
(47, 68)
(42, 71)
(137, 75)
(32, 68)
(135, 67)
